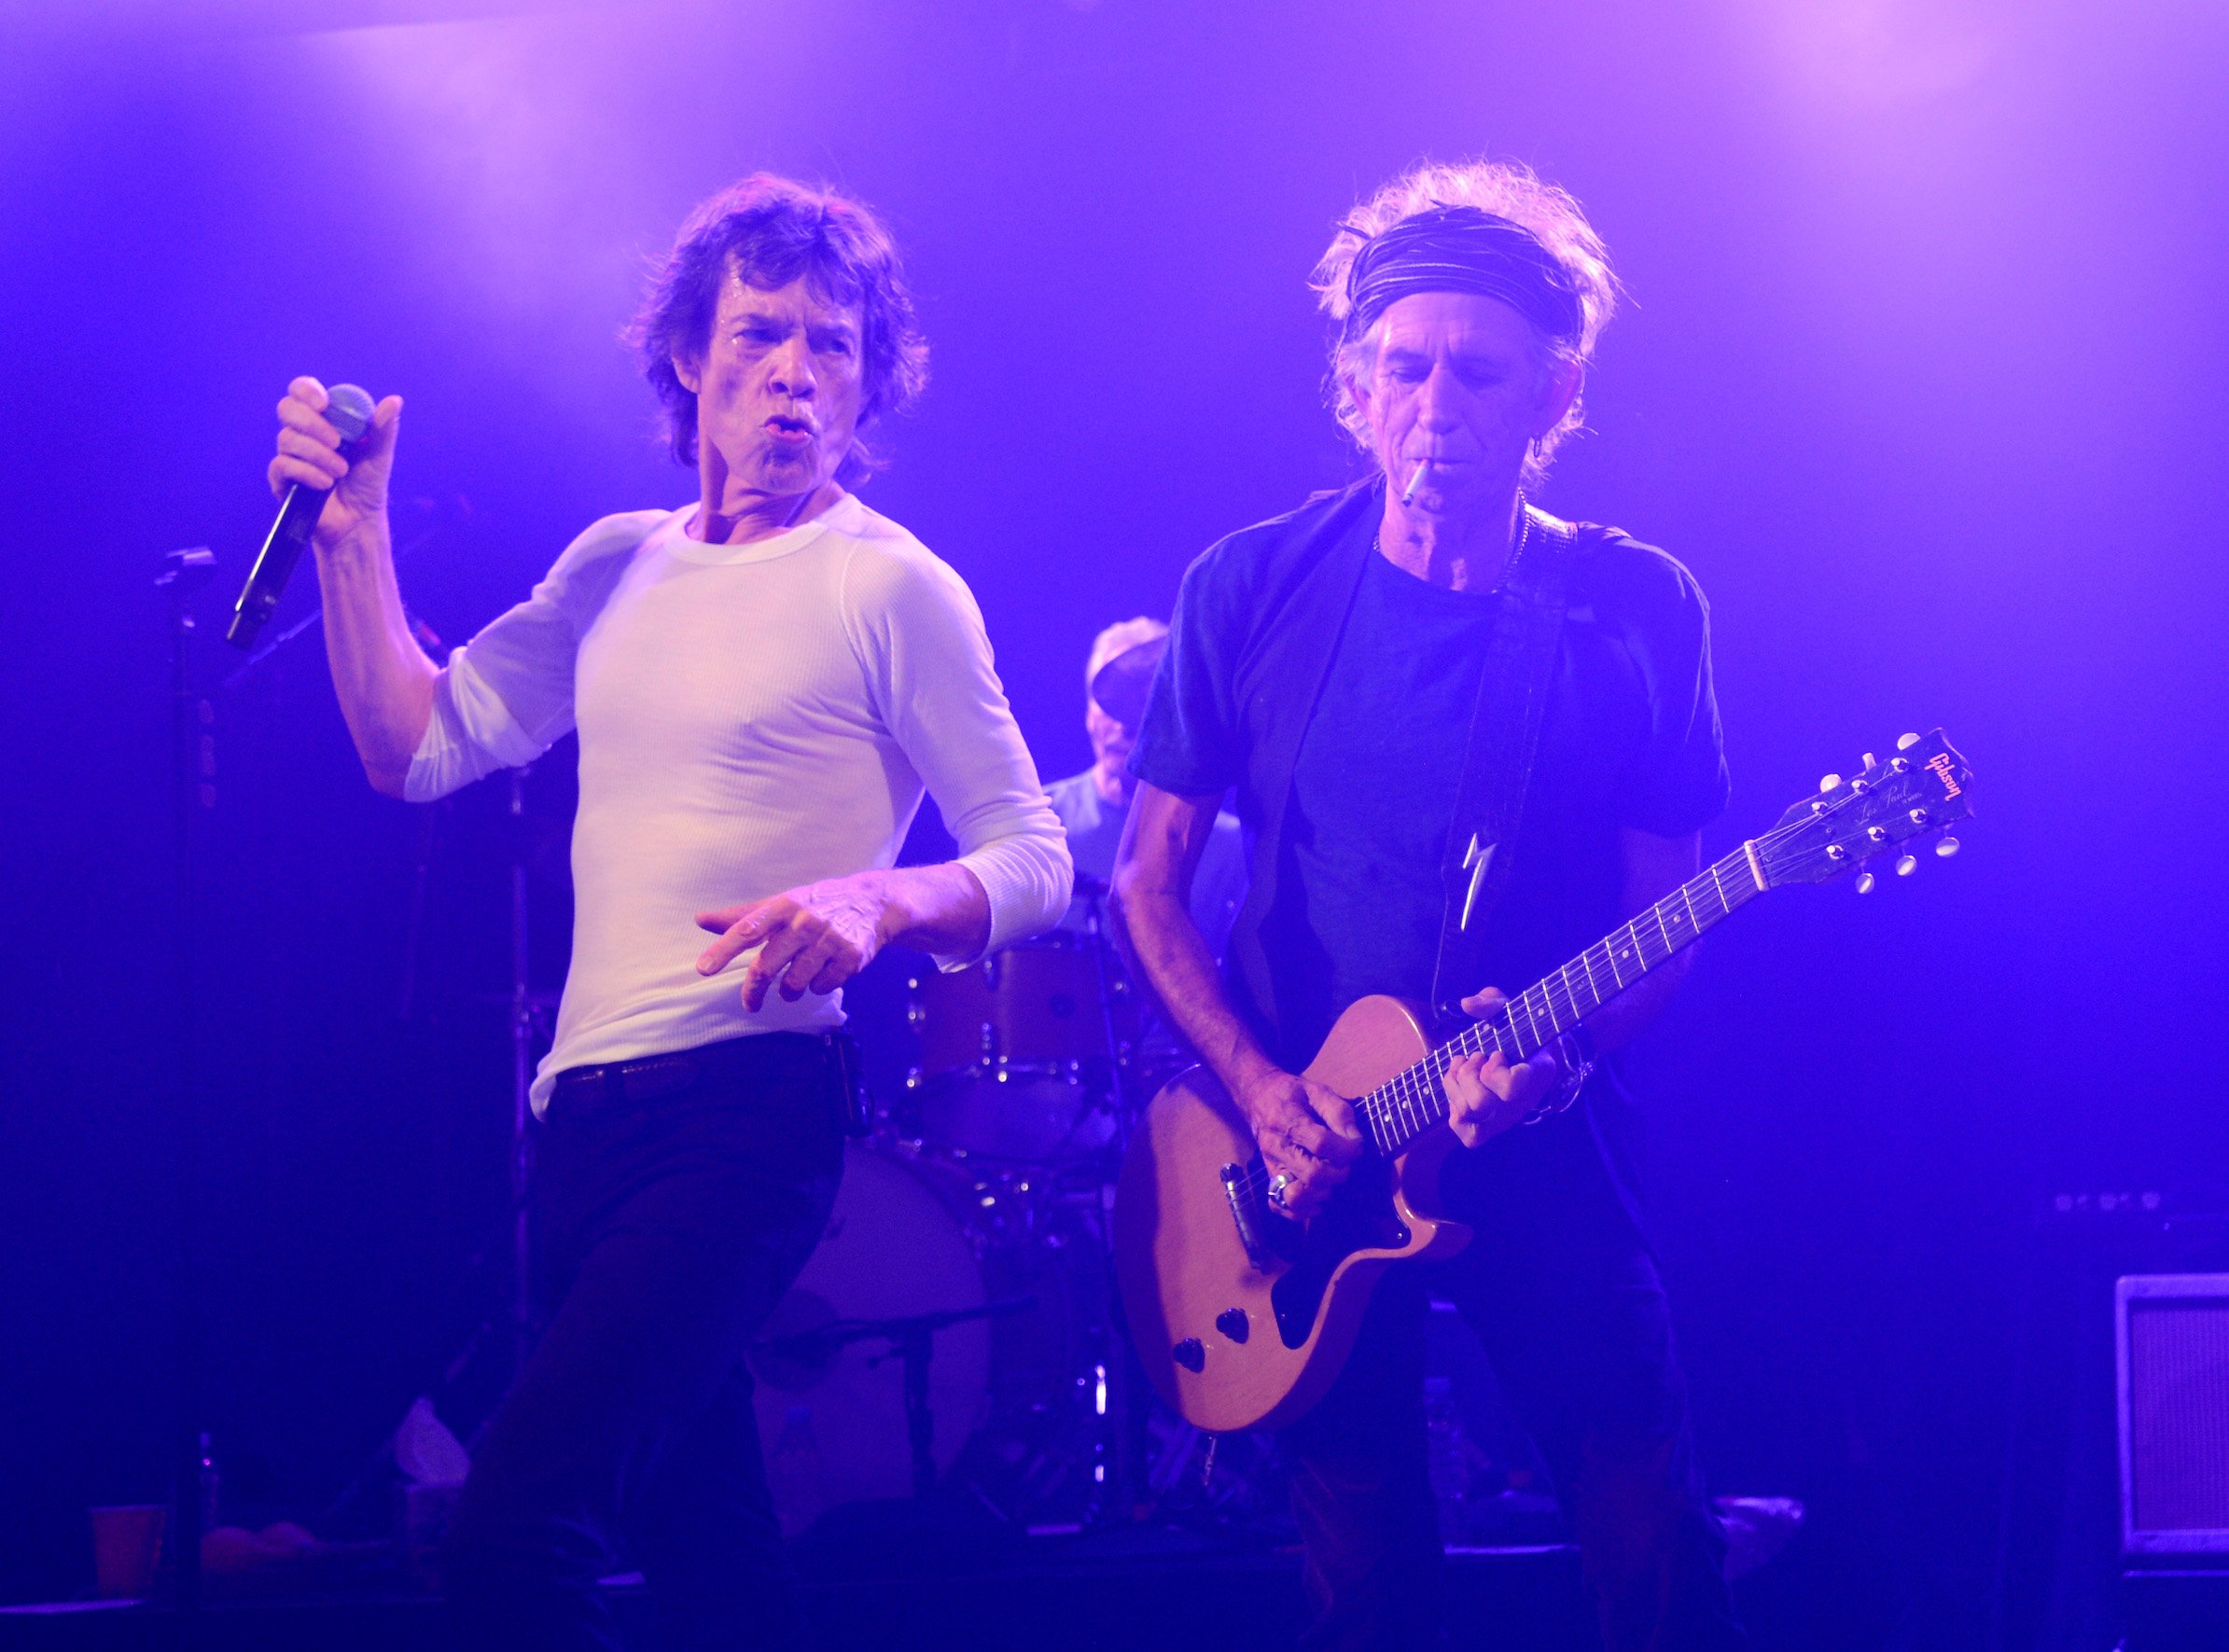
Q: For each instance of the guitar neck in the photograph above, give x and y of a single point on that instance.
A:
(1404, 1107)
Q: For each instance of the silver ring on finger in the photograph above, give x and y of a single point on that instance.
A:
(1277, 1183)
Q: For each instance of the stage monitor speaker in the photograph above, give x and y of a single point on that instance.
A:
(2171, 1338)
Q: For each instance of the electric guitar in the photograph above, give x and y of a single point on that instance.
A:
(1241, 1315)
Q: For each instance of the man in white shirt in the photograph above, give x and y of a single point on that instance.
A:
(764, 682)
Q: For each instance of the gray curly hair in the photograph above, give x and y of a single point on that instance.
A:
(1513, 190)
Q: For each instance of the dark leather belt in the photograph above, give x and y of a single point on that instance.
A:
(580, 1091)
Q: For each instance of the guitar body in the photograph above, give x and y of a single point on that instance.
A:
(1234, 1335)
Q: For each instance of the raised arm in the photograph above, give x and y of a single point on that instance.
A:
(385, 681)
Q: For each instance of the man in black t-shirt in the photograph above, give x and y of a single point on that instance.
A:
(1325, 664)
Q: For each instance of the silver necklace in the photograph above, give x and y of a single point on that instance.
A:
(1378, 544)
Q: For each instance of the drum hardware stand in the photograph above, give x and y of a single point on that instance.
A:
(1094, 925)
(913, 1338)
(1116, 1492)
(1064, 1156)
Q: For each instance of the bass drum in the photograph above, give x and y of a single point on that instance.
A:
(1010, 1393)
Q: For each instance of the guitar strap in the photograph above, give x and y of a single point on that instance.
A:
(1513, 685)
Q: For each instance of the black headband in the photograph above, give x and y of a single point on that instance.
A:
(1463, 249)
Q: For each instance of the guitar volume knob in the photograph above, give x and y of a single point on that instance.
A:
(1191, 1353)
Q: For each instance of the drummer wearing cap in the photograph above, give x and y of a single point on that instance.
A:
(1091, 805)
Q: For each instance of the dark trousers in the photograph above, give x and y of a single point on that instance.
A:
(670, 1225)
(1567, 1301)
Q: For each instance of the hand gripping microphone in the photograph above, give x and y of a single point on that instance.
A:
(348, 409)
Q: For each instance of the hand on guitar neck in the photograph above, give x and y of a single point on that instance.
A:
(1486, 1094)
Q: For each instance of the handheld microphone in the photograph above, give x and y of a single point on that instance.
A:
(349, 411)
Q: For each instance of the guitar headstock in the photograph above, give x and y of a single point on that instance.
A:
(1915, 793)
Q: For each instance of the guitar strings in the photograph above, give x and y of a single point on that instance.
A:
(1417, 1088)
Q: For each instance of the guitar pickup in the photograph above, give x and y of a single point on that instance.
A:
(1242, 1216)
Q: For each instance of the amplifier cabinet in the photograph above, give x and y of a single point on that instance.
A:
(2171, 1345)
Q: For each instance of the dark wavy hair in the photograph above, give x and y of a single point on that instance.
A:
(769, 231)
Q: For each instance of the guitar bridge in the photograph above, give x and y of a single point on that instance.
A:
(1242, 1216)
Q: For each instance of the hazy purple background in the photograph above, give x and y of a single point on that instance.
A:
(1923, 375)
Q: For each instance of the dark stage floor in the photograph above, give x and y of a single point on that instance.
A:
(1056, 1596)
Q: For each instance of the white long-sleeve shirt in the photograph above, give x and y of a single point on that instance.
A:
(752, 717)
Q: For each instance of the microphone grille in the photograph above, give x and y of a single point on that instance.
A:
(348, 409)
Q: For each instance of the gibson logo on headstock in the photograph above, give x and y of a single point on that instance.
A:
(1939, 766)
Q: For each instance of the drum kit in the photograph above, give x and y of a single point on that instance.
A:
(957, 1327)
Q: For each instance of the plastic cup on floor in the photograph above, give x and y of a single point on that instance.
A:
(127, 1544)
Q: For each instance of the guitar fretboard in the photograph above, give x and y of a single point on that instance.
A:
(1401, 1109)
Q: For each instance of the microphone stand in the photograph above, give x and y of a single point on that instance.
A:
(510, 1328)
(188, 570)
(192, 768)
(911, 1337)
(519, 1311)
(522, 1081)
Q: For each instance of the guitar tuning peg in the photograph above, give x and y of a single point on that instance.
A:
(1828, 782)
(1904, 742)
(1866, 761)
(1865, 882)
(1906, 864)
(1946, 847)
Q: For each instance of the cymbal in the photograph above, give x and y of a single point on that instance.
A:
(1122, 684)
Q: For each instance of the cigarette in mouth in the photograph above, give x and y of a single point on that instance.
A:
(1415, 480)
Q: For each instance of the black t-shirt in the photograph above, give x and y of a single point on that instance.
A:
(1352, 900)
(1631, 739)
